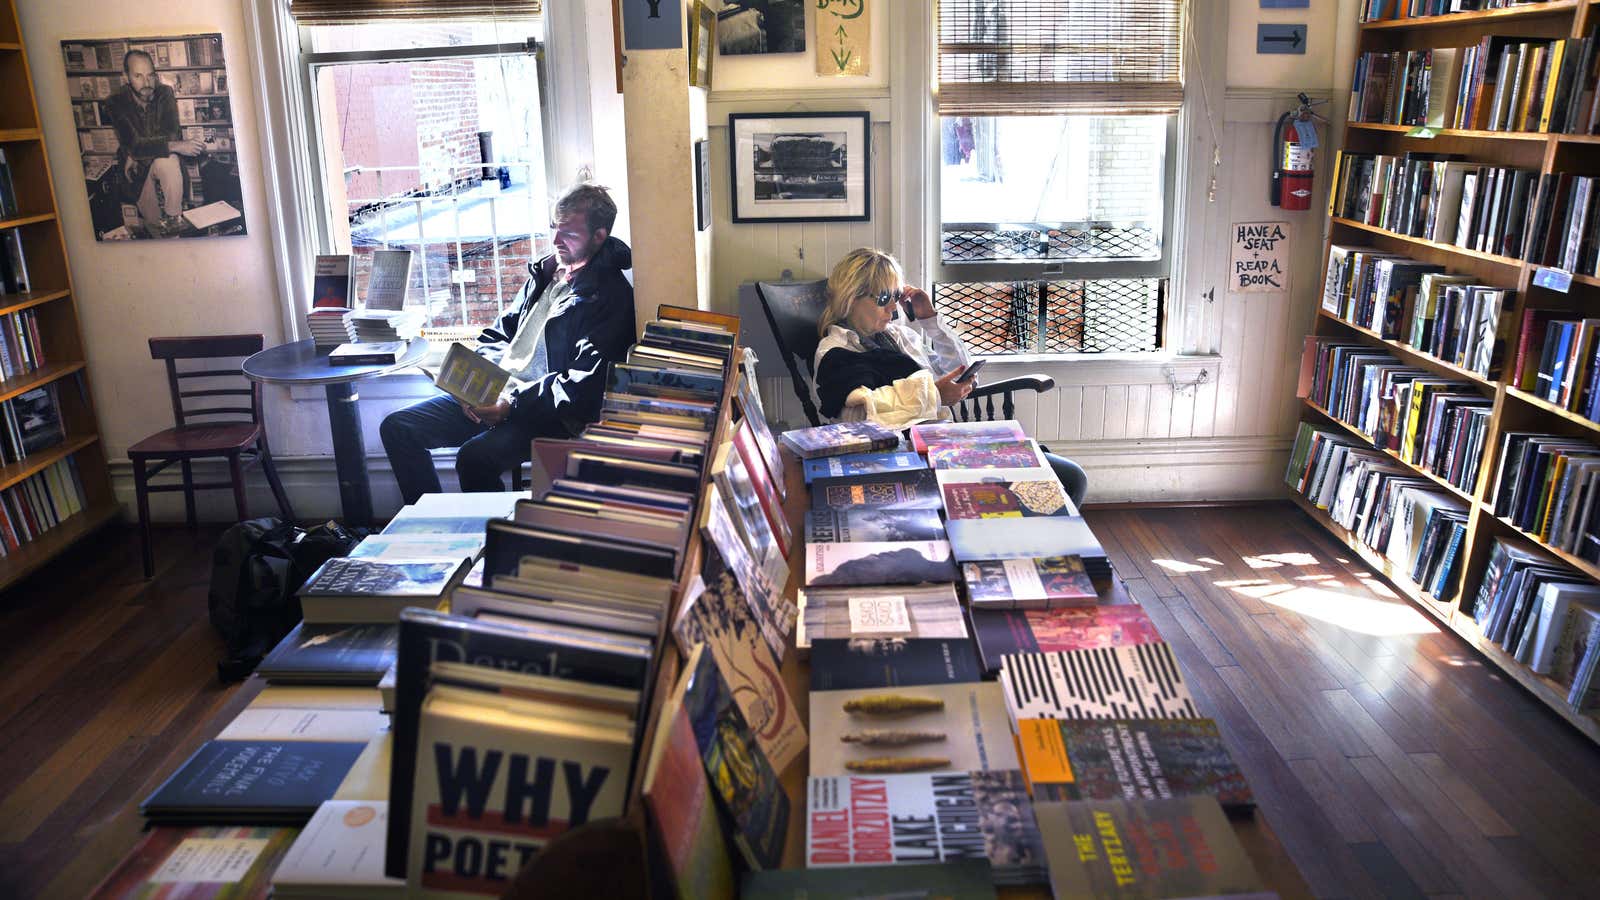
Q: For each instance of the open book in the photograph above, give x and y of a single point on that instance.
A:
(469, 377)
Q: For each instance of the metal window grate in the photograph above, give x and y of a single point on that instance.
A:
(1102, 315)
(1078, 241)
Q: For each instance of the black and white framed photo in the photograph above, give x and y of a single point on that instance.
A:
(761, 26)
(800, 167)
(155, 129)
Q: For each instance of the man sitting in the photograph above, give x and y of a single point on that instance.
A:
(572, 317)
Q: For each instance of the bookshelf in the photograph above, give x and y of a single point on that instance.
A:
(52, 304)
(1514, 409)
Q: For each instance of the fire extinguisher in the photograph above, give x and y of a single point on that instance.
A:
(1294, 157)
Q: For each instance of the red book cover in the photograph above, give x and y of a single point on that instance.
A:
(949, 432)
(682, 812)
(1005, 500)
(744, 441)
(1529, 346)
(1002, 631)
(985, 455)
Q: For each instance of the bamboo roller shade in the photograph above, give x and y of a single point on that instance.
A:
(335, 12)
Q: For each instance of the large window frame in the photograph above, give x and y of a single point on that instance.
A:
(310, 61)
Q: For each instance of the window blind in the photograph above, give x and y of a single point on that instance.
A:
(345, 12)
(1053, 57)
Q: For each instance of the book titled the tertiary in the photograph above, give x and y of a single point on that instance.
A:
(1134, 759)
(926, 818)
(469, 377)
(1183, 847)
(839, 438)
(1138, 682)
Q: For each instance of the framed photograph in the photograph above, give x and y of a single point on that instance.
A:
(702, 185)
(761, 26)
(702, 35)
(155, 131)
(800, 167)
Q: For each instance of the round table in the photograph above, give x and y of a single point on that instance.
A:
(302, 362)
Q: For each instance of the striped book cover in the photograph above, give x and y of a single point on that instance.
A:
(1134, 682)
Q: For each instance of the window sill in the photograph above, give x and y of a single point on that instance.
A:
(404, 384)
(1108, 368)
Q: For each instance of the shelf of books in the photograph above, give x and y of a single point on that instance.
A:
(1452, 383)
(698, 661)
(54, 488)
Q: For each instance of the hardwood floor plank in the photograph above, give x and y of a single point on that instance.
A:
(1387, 871)
(1469, 801)
(1333, 800)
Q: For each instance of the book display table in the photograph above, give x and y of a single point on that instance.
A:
(302, 362)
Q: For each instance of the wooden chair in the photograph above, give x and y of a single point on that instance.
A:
(792, 309)
(233, 432)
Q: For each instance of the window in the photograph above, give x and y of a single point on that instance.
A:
(1057, 159)
(429, 136)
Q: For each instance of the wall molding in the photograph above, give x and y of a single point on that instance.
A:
(873, 100)
(1111, 368)
(1266, 104)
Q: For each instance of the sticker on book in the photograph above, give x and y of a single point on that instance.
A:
(879, 615)
(224, 860)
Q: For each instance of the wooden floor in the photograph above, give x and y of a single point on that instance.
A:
(1387, 758)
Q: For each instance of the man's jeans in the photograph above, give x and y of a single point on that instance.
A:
(485, 453)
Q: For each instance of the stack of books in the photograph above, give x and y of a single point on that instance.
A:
(374, 326)
(1545, 615)
(328, 326)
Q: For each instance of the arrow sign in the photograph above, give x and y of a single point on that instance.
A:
(1281, 39)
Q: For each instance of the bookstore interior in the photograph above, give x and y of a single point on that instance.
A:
(659, 540)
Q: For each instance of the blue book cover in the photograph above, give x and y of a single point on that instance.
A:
(861, 464)
(842, 526)
(1558, 359)
(252, 782)
(840, 664)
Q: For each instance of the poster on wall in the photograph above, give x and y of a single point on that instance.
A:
(155, 130)
(1259, 258)
(844, 37)
(761, 26)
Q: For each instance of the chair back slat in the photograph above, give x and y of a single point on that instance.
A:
(230, 380)
(792, 310)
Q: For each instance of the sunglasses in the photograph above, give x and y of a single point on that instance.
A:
(887, 297)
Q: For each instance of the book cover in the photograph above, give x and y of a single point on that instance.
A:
(926, 818)
(741, 777)
(427, 637)
(200, 863)
(965, 432)
(332, 654)
(289, 723)
(1005, 500)
(442, 547)
(843, 526)
(499, 780)
(1037, 537)
(884, 662)
(931, 611)
(1130, 759)
(964, 879)
(370, 353)
(1138, 682)
(1182, 847)
(257, 782)
(1002, 631)
(339, 851)
(745, 470)
(748, 404)
(343, 576)
(683, 812)
(331, 284)
(386, 286)
(663, 381)
(1028, 583)
(768, 604)
(469, 377)
(861, 464)
(839, 438)
(715, 613)
(933, 727)
(868, 563)
(38, 418)
(909, 489)
(1020, 454)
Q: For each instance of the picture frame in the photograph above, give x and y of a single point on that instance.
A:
(702, 185)
(702, 44)
(800, 166)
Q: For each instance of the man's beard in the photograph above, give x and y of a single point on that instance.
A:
(145, 94)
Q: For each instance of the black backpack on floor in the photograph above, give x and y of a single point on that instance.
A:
(256, 570)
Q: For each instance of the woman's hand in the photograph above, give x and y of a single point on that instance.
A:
(916, 303)
(950, 390)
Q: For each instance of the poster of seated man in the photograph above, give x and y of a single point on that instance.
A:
(155, 130)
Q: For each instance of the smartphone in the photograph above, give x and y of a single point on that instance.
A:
(971, 371)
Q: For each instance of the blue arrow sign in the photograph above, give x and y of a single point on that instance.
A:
(1281, 39)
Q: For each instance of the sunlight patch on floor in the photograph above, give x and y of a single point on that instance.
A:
(1329, 580)
(1365, 615)
(1182, 568)
(1210, 562)
(1274, 560)
(1240, 582)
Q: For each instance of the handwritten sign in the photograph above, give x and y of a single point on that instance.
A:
(879, 615)
(1259, 249)
(844, 36)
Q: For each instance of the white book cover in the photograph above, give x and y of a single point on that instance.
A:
(291, 724)
(418, 546)
(960, 728)
(386, 287)
(1130, 682)
(490, 505)
(339, 852)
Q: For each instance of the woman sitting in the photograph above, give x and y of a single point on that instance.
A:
(868, 366)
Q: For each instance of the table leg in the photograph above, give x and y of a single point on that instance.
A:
(350, 454)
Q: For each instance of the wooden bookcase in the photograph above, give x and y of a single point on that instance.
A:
(1513, 409)
(52, 299)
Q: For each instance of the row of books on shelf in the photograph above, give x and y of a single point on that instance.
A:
(1545, 615)
(39, 503)
(1436, 423)
(1545, 484)
(31, 422)
(1544, 219)
(1419, 528)
(1502, 83)
(192, 83)
(21, 347)
(169, 53)
(1385, 10)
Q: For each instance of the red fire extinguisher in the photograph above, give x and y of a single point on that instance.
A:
(1294, 156)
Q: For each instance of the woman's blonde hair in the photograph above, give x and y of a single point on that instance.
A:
(865, 271)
